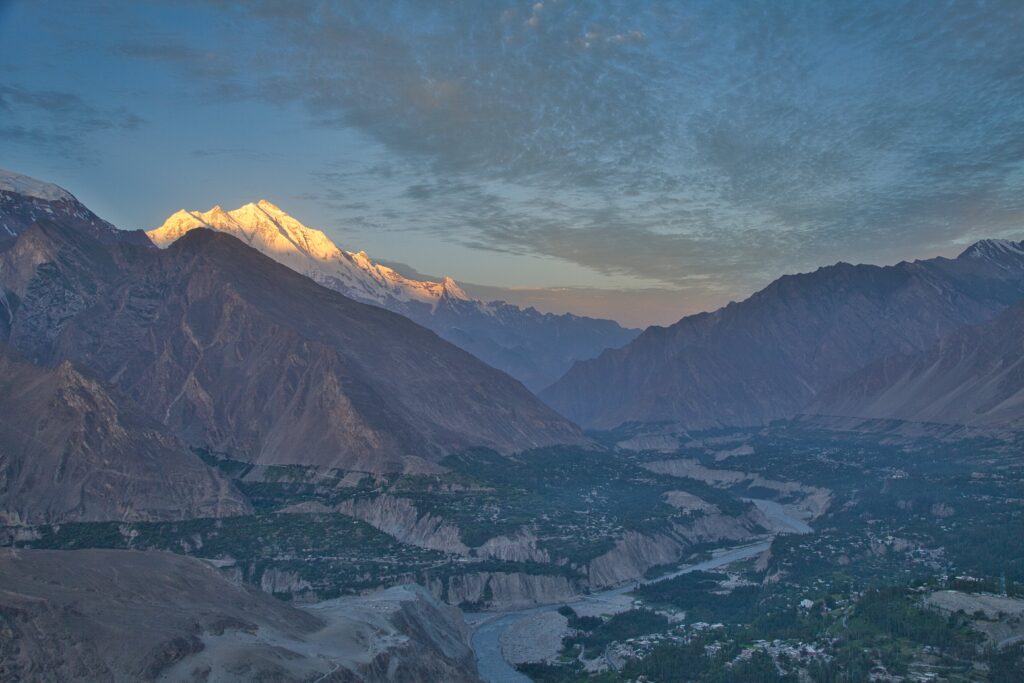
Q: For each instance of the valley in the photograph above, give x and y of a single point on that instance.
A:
(316, 487)
(545, 526)
(772, 544)
(914, 534)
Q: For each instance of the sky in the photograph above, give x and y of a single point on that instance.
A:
(632, 160)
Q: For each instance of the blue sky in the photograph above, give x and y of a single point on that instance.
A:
(634, 160)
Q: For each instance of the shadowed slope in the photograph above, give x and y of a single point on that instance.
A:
(768, 356)
(535, 348)
(112, 615)
(69, 452)
(238, 353)
(974, 376)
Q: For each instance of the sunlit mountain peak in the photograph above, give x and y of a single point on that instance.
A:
(268, 228)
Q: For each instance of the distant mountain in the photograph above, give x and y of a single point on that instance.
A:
(974, 376)
(535, 348)
(24, 200)
(768, 356)
(70, 453)
(240, 354)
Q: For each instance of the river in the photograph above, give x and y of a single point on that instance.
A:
(486, 639)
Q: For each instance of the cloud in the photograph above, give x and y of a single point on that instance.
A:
(58, 121)
(235, 153)
(704, 146)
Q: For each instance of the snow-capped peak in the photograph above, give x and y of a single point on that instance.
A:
(451, 289)
(271, 230)
(30, 187)
(270, 208)
(994, 248)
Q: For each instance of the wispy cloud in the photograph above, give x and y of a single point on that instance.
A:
(703, 146)
(60, 122)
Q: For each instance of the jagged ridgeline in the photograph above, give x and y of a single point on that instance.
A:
(238, 353)
(535, 348)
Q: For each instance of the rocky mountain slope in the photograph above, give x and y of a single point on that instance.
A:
(69, 452)
(535, 348)
(974, 376)
(90, 615)
(768, 356)
(24, 200)
(240, 354)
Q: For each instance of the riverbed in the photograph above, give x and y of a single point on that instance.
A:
(490, 627)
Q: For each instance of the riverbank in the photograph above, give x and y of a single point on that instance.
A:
(500, 637)
(491, 631)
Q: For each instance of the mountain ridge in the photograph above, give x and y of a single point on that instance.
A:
(238, 353)
(767, 357)
(533, 347)
(25, 200)
(72, 452)
(973, 376)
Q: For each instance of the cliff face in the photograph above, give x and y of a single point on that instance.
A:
(634, 553)
(974, 376)
(128, 616)
(631, 556)
(504, 590)
(70, 452)
(769, 356)
(235, 352)
(399, 518)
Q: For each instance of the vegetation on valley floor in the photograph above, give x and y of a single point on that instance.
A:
(909, 515)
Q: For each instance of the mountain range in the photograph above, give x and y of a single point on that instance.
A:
(770, 356)
(974, 376)
(535, 348)
(133, 379)
(218, 340)
(229, 350)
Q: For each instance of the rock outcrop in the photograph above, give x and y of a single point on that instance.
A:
(810, 501)
(520, 547)
(399, 518)
(635, 553)
(503, 590)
